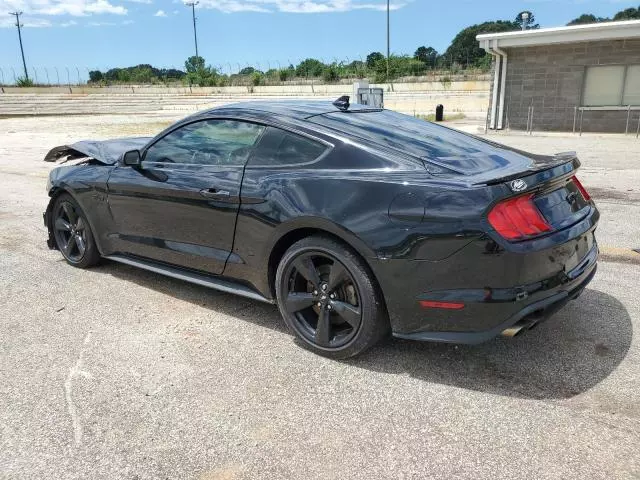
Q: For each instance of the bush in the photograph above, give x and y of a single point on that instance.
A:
(24, 82)
(285, 75)
(330, 74)
(256, 79)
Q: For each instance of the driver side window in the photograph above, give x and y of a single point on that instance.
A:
(208, 142)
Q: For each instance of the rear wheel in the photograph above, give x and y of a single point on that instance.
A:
(72, 233)
(326, 295)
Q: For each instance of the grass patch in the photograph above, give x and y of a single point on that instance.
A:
(448, 117)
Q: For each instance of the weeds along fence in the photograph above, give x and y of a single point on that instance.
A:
(304, 72)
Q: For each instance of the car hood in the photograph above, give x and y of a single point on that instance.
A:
(104, 151)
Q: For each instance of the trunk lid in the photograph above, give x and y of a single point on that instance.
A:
(562, 205)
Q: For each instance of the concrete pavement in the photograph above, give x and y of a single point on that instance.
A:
(115, 372)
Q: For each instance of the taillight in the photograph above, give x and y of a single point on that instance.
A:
(518, 218)
(583, 191)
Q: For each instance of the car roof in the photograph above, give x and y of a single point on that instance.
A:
(297, 109)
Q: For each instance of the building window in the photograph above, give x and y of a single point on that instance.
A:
(632, 86)
(611, 85)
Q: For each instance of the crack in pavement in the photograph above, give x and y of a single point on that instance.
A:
(68, 392)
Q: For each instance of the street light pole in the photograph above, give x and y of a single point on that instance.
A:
(24, 64)
(388, 38)
(193, 13)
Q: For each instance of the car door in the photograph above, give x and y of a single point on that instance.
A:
(180, 205)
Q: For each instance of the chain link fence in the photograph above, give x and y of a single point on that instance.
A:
(290, 71)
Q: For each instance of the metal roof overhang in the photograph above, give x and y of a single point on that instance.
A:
(559, 35)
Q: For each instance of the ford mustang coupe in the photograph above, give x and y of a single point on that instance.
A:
(357, 222)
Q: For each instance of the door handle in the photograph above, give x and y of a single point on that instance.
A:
(215, 193)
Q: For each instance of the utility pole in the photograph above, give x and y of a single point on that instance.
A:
(193, 12)
(24, 64)
(388, 38)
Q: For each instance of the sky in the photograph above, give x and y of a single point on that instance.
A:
(82, 35)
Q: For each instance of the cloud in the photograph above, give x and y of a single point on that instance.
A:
(76, 8)
(10, 22)
(70, 23)
(160, 13)
(109, 24)
(299, 6)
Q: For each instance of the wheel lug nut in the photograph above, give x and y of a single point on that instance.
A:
(315, 292)
(329, 307)
(324, 287)
(319, 304)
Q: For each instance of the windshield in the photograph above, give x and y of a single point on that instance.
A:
(455, 150)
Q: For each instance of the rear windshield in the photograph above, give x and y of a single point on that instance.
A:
(456, 150)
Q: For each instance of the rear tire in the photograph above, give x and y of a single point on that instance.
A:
(328, 298)
(72, 233)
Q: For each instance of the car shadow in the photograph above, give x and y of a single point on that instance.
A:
(573, 351)
(570, 353)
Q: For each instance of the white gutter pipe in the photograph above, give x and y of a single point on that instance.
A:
(496, 79)
(503, 83)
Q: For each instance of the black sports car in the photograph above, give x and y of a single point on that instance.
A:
(356, 221)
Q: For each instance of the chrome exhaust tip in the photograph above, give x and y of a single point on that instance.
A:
(512, 331)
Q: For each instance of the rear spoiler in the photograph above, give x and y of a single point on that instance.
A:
(557, 160)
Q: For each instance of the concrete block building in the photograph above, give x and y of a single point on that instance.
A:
(567, 78)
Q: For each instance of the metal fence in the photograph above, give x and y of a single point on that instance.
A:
(576, 119)
(239, 74)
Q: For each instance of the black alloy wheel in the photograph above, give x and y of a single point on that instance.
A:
(324, 300)
(327, 298)
(72, 233)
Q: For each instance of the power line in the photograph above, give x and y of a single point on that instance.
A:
(193, 12)
(24, 63)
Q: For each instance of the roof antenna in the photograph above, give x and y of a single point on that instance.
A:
(342, 103)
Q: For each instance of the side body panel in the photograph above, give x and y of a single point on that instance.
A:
(86, 183)
(160, 212)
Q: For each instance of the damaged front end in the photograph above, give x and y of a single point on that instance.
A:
(70, 179)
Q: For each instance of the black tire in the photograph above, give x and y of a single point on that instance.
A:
(72, 233)
(326, 321)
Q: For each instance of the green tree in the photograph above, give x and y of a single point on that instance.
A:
(247, 71)
(464, 48)
(310, 68)
(374, 58)
(194, 64)
(627, 14)
(531, 20)
(426, 55)
(95, 76)
(587, 18)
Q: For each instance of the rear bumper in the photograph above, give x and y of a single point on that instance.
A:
(529, 315)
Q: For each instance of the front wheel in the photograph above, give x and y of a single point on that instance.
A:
(327, 296)
(72, 233)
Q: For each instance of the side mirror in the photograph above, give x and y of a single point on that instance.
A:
(131, 158)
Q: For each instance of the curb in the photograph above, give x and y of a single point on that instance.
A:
(619, 255)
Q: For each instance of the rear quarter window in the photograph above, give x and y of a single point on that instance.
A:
(464, 153)
(279, 147)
